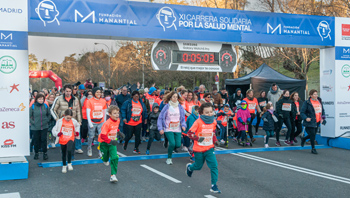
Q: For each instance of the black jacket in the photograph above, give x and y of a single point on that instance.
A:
(120, 99)
(269, 125)
(225, 97)
(282, 105)
(234, 98)
(153, 118)
(262, 100)
(308, 111)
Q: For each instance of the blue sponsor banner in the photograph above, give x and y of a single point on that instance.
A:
(152, 21)
(13, 40)
(342, 53)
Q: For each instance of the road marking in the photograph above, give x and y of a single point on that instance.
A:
(161, 174)
(209, 196)
(10, 195)
(121, 154)
(294, 168)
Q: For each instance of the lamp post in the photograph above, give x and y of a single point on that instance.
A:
(109, 63)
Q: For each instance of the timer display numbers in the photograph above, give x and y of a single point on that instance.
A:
(206, 58)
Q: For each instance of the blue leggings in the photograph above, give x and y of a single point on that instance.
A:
(268, 134)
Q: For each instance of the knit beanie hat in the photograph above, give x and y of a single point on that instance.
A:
(94, 90)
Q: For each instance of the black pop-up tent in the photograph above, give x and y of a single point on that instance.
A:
(261, 80)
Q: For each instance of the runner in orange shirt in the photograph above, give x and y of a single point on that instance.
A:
(252, 106)
(202, 133)
(67, 129)
(96, 116)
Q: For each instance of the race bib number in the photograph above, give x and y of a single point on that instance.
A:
(136, 110)
(252, 105)
(287, 107)
(67, 131)
(208, 138)
(223, 101)
(151, 101)
(318, 109)
(225, 119)
(262, 104)
(174, 125)
(112, 135)
(97, 114)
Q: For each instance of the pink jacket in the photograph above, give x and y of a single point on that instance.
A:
(242, 115)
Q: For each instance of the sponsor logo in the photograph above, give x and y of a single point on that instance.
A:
(345, 71)
(8, 144)
(327, 88)
(327, 72)
(11, 10)
(6, 40)
(347, 88)
(92, 15)
(343, 102)
(286, 30)
(345, 31)
(269, 27)
(7, 64)
(47, 12)
(324, 30)
(14, 87)
(344, 127)
(344, 115)
(8, 125)
(327, 102)
(21, 107)
(166, 18)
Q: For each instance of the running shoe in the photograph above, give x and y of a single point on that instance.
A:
(188, 170)
(79, 151)
(302, 142)
(113, 179)
(165, 144)
(143, 139)
(266, 146)
(295, 140)
(265, 139)
(313, 151)
(278, 143)
(286, 142)
(53, 145)
(70, 167)
(106, 163)
(175, 151)
(99, 154)
(184, 149)
(136, 151)
(45, 157)
(291, 143)
(36, 156)
(147, 152)
(169, 161)
(215, 189)
(89, 151)
(64, 169)
(234, 139)
(253, 140)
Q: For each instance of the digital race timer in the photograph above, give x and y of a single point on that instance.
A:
(210, 58)
(193, 56)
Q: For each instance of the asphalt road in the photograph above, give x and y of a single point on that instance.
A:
(295, 173)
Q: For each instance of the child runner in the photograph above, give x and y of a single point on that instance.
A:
(189, 122)
(269, 123)
(153, 129)
(67, 129)
(203, 134)
(223, 117)
(243, 117)
(108, 141)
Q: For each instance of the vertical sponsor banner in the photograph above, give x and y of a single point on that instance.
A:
(14, 79)
(342, 76)
(327, 89)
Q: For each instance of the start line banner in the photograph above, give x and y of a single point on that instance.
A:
(153, 21)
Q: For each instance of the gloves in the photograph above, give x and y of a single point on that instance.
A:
(323, 117)
(114, 142)
(243, 123)
(324, 122)
(59, 134)
(247, 123)
(76, 134)
(201, 139)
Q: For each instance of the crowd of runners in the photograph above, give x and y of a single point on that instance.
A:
(191, 120)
